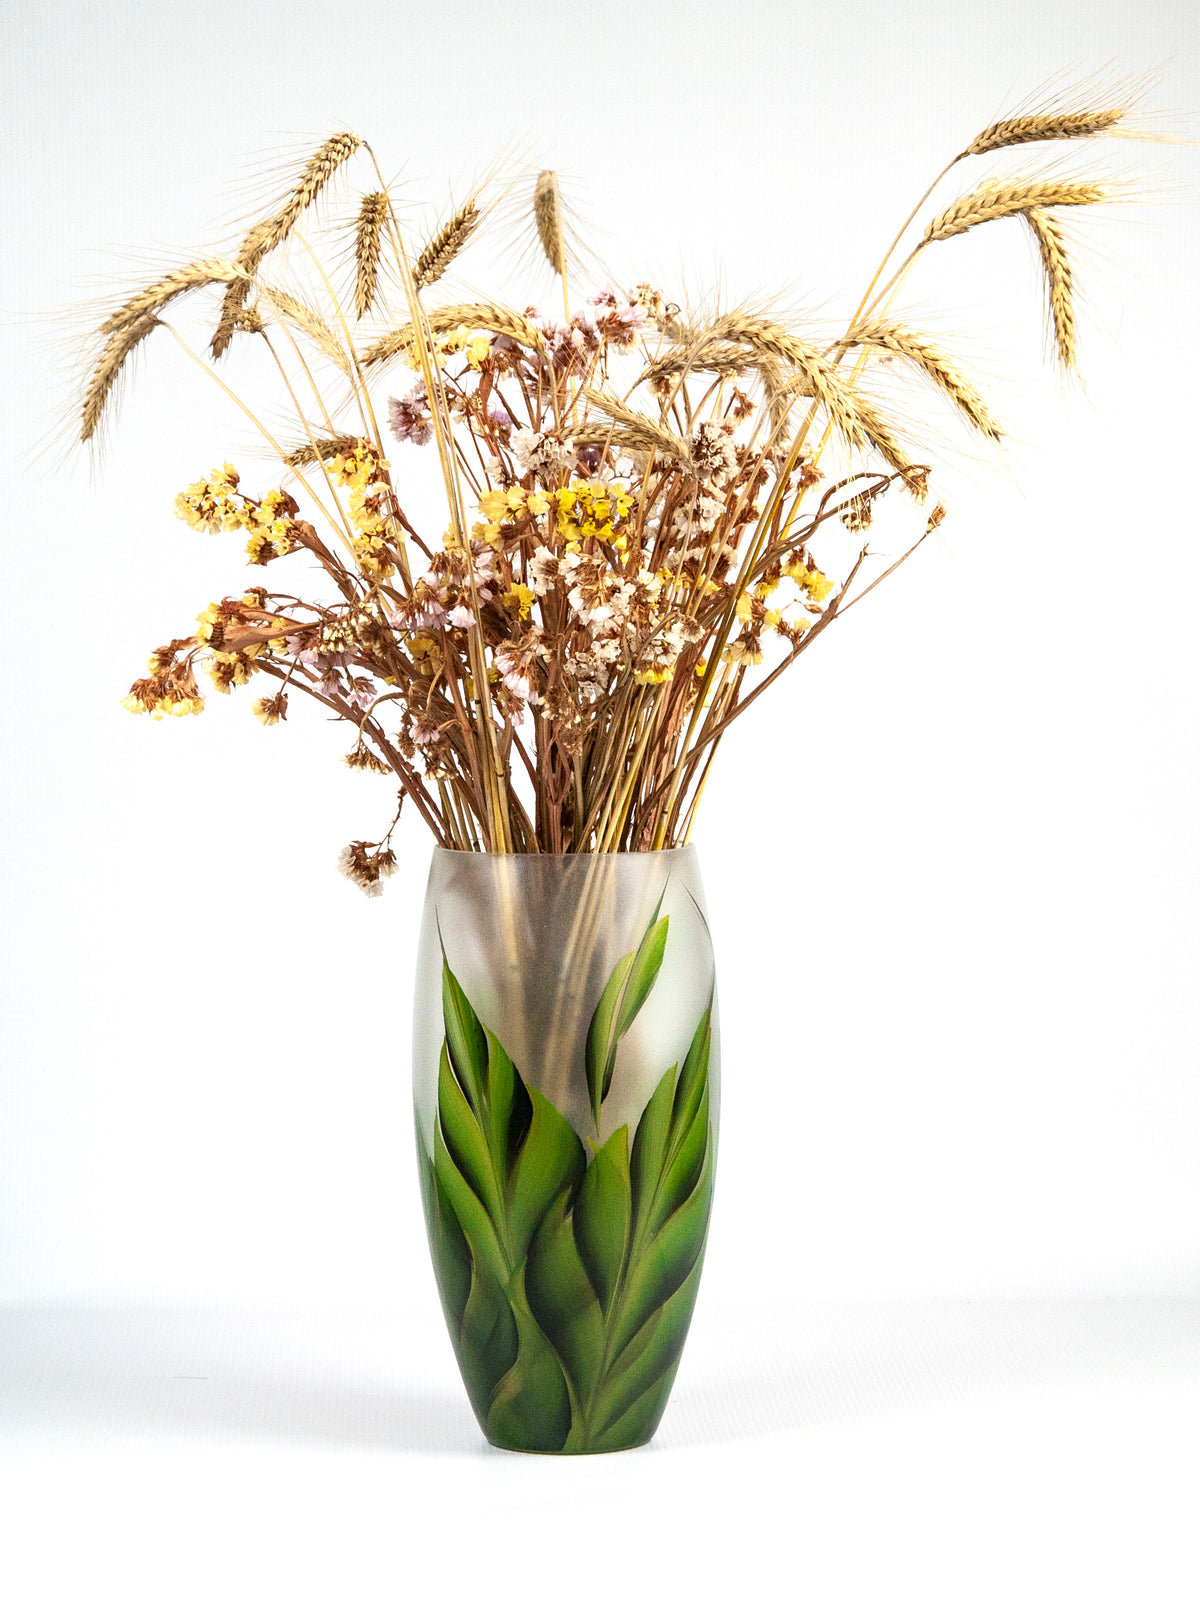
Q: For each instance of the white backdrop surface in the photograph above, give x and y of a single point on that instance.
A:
(952, 865)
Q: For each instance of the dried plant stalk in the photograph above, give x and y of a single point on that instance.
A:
(117, 350)
(152, 299)
(368, 235)
(995, 199)
(1053, 125)
(934, 362)
(480, 314)
(547, 214)
(446, 244)
(1060, 283)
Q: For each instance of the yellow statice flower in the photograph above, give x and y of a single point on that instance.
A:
(229, 670)
(374, 556)
(518, 597)
(478, 348)
(816, 586)
(591, 511)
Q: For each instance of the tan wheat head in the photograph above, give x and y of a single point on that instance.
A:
(268, 234)
(916, 347)
(446, 244)
(1060, 283)
(119, 346)
(995, 199)
(198, 275)
(632, 430)
(482, 314)
(368, 235)
(548, 216)
(1053, 125)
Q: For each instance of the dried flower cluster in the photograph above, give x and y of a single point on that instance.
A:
(643, 525)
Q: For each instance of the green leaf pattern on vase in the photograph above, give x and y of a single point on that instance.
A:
(568, 1283)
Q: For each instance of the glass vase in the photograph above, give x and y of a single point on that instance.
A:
(565, 1077)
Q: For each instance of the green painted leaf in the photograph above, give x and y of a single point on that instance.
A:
(561, 1298)
(488, 1340)
(472, 1214)
(682, 1169)
(507, 1105)
(466, 1040)
(448, 1244)
(624, 995)
(662, 1262)
(603, 1214)
(650, 1143)
(467, 1144)
(647, 961)
(530, 1407)
(694, 1078)
(602, 1034)
(550, 1161)
(650, 1356)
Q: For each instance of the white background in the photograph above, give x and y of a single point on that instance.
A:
(952, 868)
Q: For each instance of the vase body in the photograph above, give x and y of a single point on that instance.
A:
(565, 1077)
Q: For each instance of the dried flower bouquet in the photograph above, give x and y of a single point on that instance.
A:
(643, 526)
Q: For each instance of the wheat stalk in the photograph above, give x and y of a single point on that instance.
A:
(1053, 125)
(367, 245)
(152, 299)
(266, 235)
(482, 314)
(447, 243)
(1060, 283)
(915, 347)
(117, 350)
(995, 199)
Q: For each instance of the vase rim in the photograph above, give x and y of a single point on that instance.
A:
(563, 855)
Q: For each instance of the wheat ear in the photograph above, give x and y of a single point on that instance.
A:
(496, 319)
(934, 362)
(1060, 283)
(995, 199)
(632, 429)
(368, 233)
(447, 243)
(117, 350)
(307, 320)
(1054, 125)
(308, 455)
(548, 218)
(152, 299)
(857, 420)
(265, 236)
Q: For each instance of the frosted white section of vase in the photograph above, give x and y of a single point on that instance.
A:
(533, 939)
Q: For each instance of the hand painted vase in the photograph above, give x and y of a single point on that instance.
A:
(565, 1075)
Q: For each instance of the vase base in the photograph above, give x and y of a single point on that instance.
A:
(567, 1455)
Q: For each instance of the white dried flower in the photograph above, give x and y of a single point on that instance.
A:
(540, 453)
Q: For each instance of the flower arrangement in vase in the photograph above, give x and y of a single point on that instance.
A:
(649, 517)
